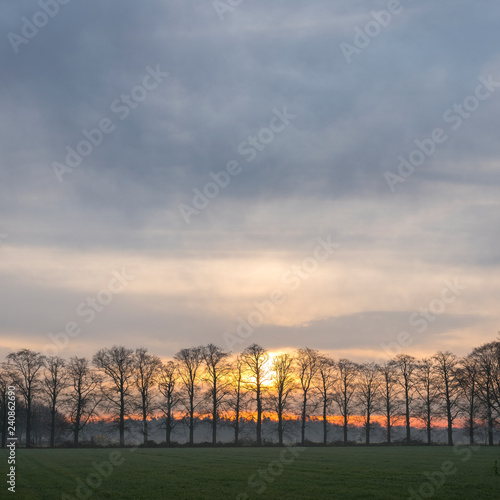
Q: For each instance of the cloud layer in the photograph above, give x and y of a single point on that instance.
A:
(322, 173)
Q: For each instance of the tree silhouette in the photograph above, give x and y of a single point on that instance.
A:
(467, 379)
(428, 393)
(55, 394)
(345, 390)
(325, 383)
(283, 382)
(167, 383)
(486, 357)
(369, 384)
(255, 359)
(307, 364)
(189, 363)
(217, 369)
(83, 397)
(146, 370)
(24, 367)
(4, 384)
(236, 395)
(389, 396)
(446, 365)
(406, 366)
(54, 382)
(117, 366)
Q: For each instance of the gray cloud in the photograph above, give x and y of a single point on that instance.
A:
(324, 174)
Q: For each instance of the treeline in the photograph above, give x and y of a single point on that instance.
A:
(64, 396)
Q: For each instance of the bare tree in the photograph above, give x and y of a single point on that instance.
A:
(255, 359)
(55, 381)
(467, 378)
(426, 387)
(487, 366)
(217, 369)
(406, 366)
(189, 363)
(325, 383)
(4, 384)
(283, 383)
(307, 364)
(83, 398)
(167, 385)
(24, 369)
(496, 375)
(446, 365)
(389, 396)
(369, 385)
(236, 397)
(117, 365)
(345, 391)
(146, 369)
(54, 393)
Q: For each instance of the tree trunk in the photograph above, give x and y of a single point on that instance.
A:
(28, 422)
(52, 427)
(303, 426)
(429, 427)
(388, 427)
(121, 423)
(490, 425)
(145, 426)
(408, 427)
(191, 427)
(236, 432)
(471, 428)
(76, 428)
(237, 422)
(122, 430)
(168, 436)
(259, 417)
(280, 429)
(214, 417)
(448, 414)
(345, 422)
(368, 426)
(4, 420)
(325, 427)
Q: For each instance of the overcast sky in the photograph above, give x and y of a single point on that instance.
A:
(310, 115)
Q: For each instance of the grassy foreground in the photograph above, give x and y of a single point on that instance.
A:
(229, 473)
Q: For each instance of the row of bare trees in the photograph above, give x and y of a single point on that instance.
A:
(120, 383)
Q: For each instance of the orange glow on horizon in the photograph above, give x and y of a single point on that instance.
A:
(357, 421)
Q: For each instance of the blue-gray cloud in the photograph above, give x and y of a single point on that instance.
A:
(324, 173)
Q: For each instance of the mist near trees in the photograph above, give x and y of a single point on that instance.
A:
(59, 398)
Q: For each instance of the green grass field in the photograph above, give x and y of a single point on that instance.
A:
(229, 473)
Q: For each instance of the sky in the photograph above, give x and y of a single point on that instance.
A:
(322, 174)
